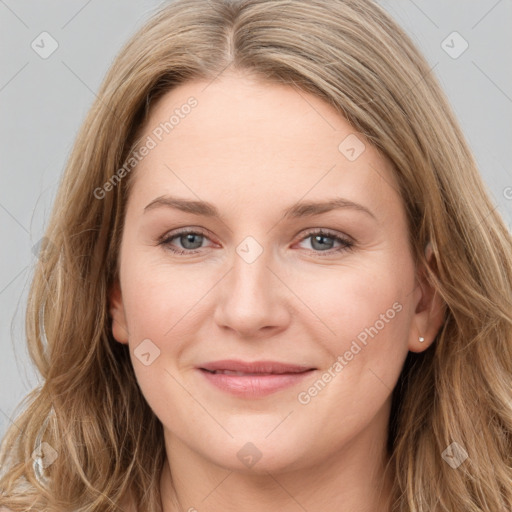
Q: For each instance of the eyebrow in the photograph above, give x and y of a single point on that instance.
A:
(302, 209)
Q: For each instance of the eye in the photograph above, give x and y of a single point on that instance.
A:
(320, 240)
(189, 239)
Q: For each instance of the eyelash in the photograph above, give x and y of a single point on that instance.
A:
(347, 244)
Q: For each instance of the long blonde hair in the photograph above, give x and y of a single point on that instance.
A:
(350, 53)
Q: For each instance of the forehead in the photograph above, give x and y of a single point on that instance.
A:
(237, 139)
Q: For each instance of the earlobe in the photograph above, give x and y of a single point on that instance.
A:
(430, 310)
(119, 327)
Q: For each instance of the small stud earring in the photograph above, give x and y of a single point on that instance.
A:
(422, 339)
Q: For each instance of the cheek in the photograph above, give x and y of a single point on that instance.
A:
(365, 314)
(158, 296)
(368, 310)
(159, 311)
(356, 303)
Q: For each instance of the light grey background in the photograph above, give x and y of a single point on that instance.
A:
(44, 101)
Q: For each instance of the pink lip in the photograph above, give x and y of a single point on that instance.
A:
(260, 378)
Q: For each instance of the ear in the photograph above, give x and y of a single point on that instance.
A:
(430, 309)
(119, 327)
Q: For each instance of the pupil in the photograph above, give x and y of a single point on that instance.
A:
(320, 237)
(190, 238)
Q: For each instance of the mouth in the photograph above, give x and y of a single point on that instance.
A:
(253, 379)
(246, 374)
(236, 367)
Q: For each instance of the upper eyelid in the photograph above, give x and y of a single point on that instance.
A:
(183, 231)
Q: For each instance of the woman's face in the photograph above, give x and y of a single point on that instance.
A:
(298, 256)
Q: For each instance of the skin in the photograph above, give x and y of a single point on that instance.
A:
(253, 149)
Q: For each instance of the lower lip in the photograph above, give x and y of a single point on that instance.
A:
(254, 386)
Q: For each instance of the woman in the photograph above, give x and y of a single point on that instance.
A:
(339, 334)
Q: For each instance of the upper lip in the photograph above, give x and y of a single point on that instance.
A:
(255, 366)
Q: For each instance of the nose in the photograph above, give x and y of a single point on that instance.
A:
(252, 299)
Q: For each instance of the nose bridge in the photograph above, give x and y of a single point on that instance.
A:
(250, 267)
(250, 297)
(250, 279)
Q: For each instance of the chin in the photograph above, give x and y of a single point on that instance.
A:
(260, 457)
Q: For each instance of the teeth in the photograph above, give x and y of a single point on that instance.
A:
(231, 372)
